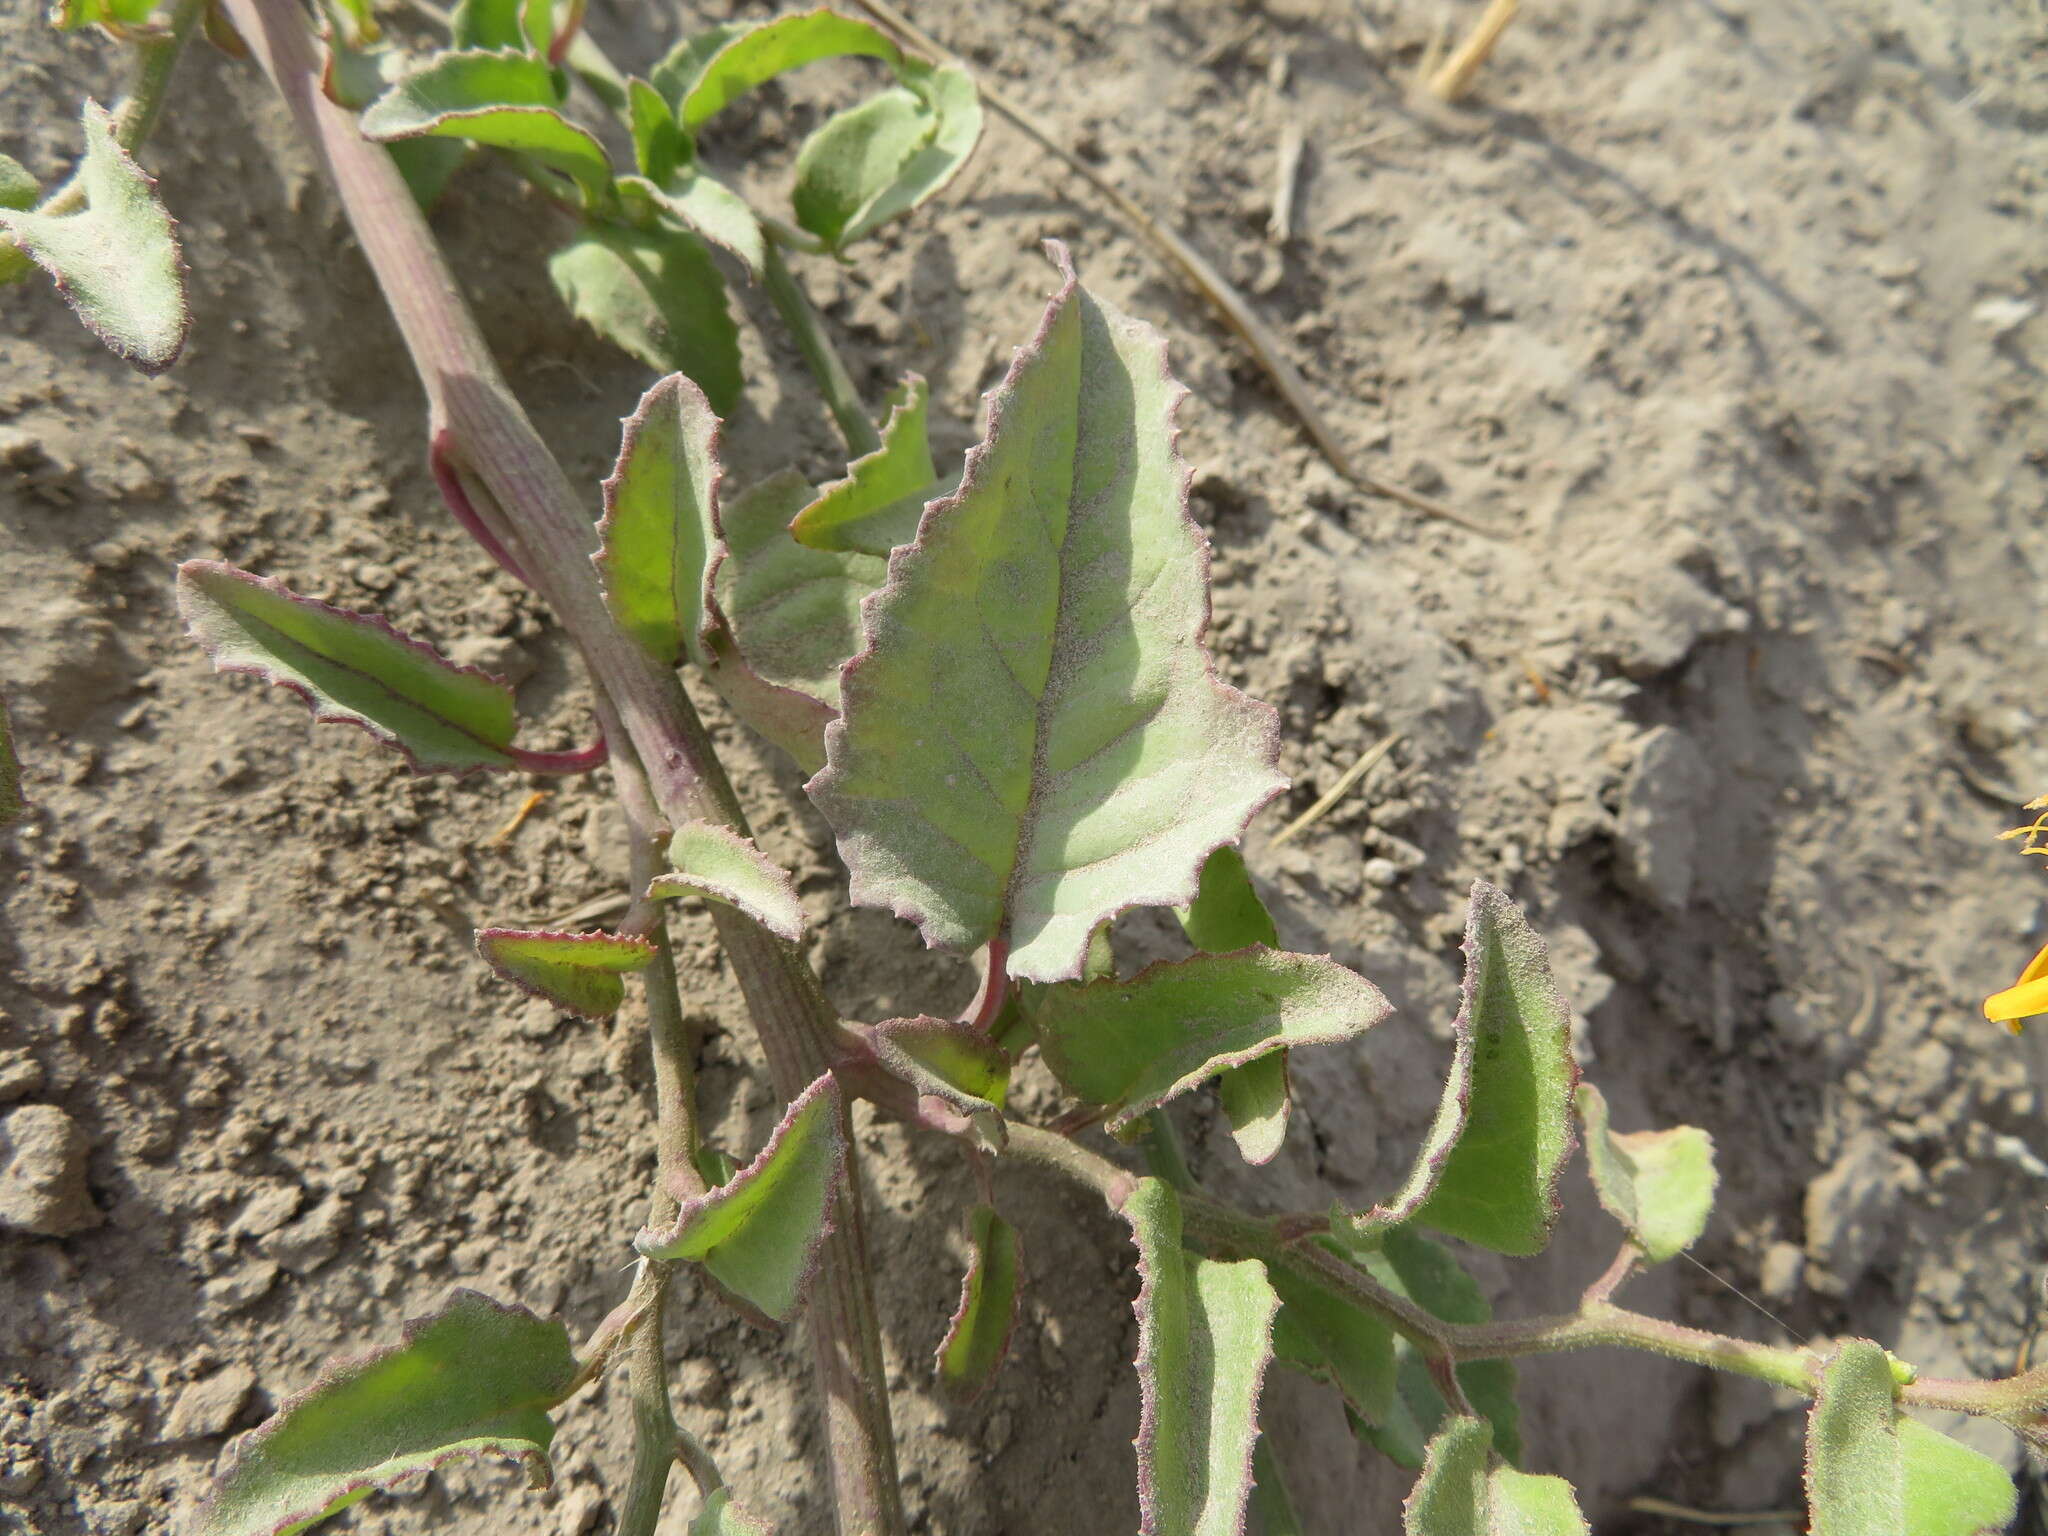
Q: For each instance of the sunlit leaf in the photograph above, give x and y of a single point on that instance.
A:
(1133, 1045)
(757, 55)
(1227, 914)
(13, 804)
(1855, 1474)
(683, 66)
(503, 99)
(758, 1234)
(1463, 1493)
(721, 1516)
(879, 160)
(18, 189)
(577, 972)
(1949, 1489)
(1204, 1338)
(705, 205)
(116, 260)
(350, 667)
(475, 1379)
(709, 860)
(1658, 1184)
(657, 295)
(979, 1335)
(659, 147)
(877, 506)
(73, 14)
(1035, 738)
(659, 525)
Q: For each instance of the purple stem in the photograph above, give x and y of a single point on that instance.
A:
(441, 460)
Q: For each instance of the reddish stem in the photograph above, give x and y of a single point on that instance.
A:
(994, 989)
(578, 760)
(441, 460)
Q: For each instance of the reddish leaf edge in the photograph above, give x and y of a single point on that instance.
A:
(798, 526)
(860, 890)
(485, 935)
(539, 1470)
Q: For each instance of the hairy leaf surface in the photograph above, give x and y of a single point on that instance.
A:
(752, 57)
(578, 972)
(711, 208)
(1855, 1476)
(657, 295)
(1658, 1184)
(475, 1379)
(758, 1234)
(865, 512)
(1462, 1493)
(116, 260)
(722, 1516)
(877, 161)
(1034, 738)
(660, 520)
(714, 861)
(1204, 1338)
(351, 668)
(1949, 1489)
(1227, 914)
(945, 1058)
(504, 99)
(979, 1335)
(1133, 1045)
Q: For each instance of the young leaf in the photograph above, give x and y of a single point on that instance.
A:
(18, 189)
(1204, 1338)
(1488, 1168)
(1949, 1489)
(866, 511)
(657, 295)
(945, 1059)
(476, 1379)
(503, 99)
(13, 804)
(660, 520)
(714, 861)
(1351, 1349)
(683, 66)
(577, 972)
(116, 261)
(1855, 1477)
(1034, 738)
(721, 1516)
(514, 24)
(351, 668)
(709, 207)
(1227, 914)
(758, 1234)
(659, 147)
(1462, 1493)
(979, 1335)
(755, 56)
(880, 160)
(1133, 1045)
(1658, 1184)
(795, 613)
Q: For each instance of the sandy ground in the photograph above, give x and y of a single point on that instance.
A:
(1726, 313)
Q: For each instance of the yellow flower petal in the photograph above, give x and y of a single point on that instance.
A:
(2017, 1003)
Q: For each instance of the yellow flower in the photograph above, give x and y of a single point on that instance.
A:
(2024, 998)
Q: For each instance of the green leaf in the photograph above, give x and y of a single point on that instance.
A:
(498, 24)
(877, 506)
(657, 295)
(503, 99)
(350, 667)
(1855, 1477)
(702, 204)
(69, 15)
(1256, 1100)
(1227, 914)
(1333, 1340)
(1426, 1273)
(1462, 1493)
(1035, 738)
(946, 1059)
(758, 1235)
(18, 189)
(475, 1379)
(795, 613)
(720, 1516)
(13, 804)
(1204, 1338)
(683, 66)
(1658, 1184)
(1489, 1164)
(714, 861)
(660, 521)
(979, 1335)
(1949, 1489)
(755, 56)
(1133, 1045)
(577, 972)
(659, 147)
(116, 261)
(847, 184)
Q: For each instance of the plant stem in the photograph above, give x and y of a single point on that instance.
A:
(820, 356)
(535, 515)
(654, 1424)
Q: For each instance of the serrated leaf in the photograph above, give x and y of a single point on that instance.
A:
(946, 1059)
(352, 668)
(660, 521)
(516, 24)
(1488, 1167)
(1426, 1273)
(1855, 1476)
(979, 1335)
(504, 99)
(13, 804)
(1134, 1045)
(1949, 1489)
(1462, 1493)
(1034, 738)
(475, 1379)
(714, 861)
(865, 511)
(1658, 1184)
(116, 261)
(659, 147)
(719, 214)
(758, 1234)
(757, 55)
(657, 295)
(878, 161)
(1351, 1349)
(1204, 1339)
(1227, 914)
(794, 613)
(721, 1516)
(18, 189)
(577, 972)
